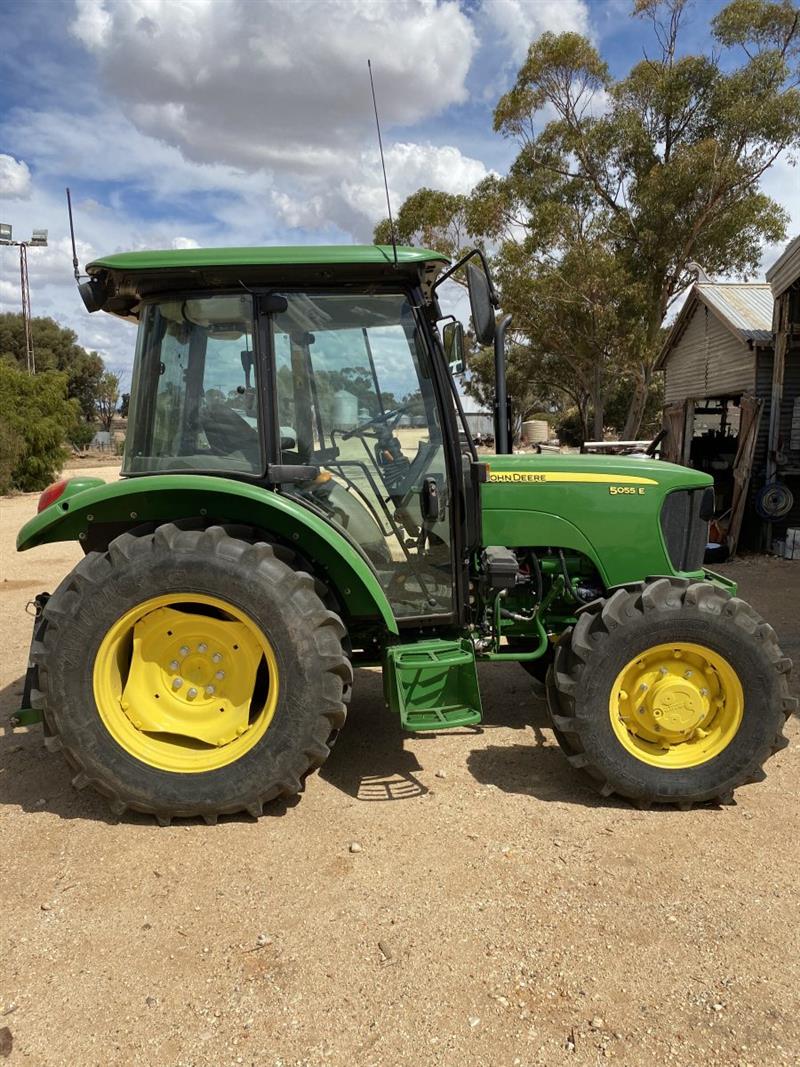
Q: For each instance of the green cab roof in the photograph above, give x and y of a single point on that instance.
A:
(267, 256)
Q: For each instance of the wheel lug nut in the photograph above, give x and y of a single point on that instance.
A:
(177, 683)
(704, 692)
(210, 690)
(183, 650)
(216, 658)
(643, 687)
(174, 665)
(219, 675)
(192, 693)
(688, 674)
(663, 670)
(202, 647)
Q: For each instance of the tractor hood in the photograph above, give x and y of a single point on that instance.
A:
(630, 516)
(575, 469)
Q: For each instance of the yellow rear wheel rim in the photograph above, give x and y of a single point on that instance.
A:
(676, 705)
(186, 683)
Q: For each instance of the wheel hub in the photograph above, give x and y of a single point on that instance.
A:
(675, 708)
(676, 705)
(178, 682)
(186, 682)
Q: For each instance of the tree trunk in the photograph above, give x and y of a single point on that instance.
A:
(633, 420)
(598, 404)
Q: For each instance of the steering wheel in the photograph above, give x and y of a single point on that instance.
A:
(227, 431)
(384, 417)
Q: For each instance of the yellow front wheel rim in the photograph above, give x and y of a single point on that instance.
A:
(676, 705)
(186, 683)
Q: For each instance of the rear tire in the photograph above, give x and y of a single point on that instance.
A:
(303, 679)
(733, 656)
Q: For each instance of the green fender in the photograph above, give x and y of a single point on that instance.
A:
(168, 497)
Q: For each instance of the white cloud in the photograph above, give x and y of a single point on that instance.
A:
(92, 23)
(184, 242)
(15, 178)
(9, 296)
(278, 85)
(518, 22)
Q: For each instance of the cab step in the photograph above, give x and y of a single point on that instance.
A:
(433, 684)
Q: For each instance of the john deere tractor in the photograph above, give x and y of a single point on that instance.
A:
(300, 496)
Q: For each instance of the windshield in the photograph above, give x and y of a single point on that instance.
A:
(194, 401)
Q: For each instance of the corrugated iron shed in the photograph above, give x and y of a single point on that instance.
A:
(746, 307)
(786, 269)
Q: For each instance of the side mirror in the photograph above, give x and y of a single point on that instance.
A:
(480, 302)
(453, 342)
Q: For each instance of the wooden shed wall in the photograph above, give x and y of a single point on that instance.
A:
(708, 361)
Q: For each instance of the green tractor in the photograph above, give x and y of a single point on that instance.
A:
(301, 496)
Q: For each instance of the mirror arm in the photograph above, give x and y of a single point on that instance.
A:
(457, 266)
(501, 434)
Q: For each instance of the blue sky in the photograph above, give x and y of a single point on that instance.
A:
(227, 122)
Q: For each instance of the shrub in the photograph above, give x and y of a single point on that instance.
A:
(36, 419)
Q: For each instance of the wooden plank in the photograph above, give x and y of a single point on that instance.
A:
(749, 419)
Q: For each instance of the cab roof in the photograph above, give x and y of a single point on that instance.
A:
(120, 282)
(267, 256)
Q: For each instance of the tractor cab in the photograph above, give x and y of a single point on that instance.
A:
(329, 389)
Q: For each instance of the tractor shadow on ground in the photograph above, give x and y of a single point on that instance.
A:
(35, 780)
(373, 763)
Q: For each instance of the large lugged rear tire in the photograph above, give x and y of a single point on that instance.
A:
(190, 672)
(671, 692)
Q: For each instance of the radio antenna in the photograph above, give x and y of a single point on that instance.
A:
(75, 269)
(383, 163)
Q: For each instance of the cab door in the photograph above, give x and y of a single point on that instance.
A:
(356, 395)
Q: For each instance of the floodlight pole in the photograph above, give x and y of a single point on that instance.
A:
(25, 289)
(38, 240)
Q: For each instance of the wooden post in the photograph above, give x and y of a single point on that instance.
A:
(776, 398)
(688, 434)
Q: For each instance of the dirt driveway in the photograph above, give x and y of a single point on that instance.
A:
(497, 913)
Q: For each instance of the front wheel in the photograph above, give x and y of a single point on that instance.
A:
(672, 692)
(190, 672)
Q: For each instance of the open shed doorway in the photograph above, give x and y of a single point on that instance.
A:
(718, 435)
(714, 442)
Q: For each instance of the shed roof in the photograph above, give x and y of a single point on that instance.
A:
(786, 268)
(745, 308)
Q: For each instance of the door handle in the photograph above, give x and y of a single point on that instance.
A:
(432, 503)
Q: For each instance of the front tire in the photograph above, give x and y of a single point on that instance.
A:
(190, 672)
(672, 692)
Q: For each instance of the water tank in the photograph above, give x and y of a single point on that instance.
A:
(345, 410)
(535, 432)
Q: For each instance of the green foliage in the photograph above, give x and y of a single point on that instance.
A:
(10, 450)
(56, 348)
(36, 418)
(431, 219)
(525, 377)
(571, 429)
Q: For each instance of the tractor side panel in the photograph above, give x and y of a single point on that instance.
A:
(170, 498)
(608, 509)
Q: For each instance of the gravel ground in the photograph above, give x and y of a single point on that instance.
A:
(460, 899)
